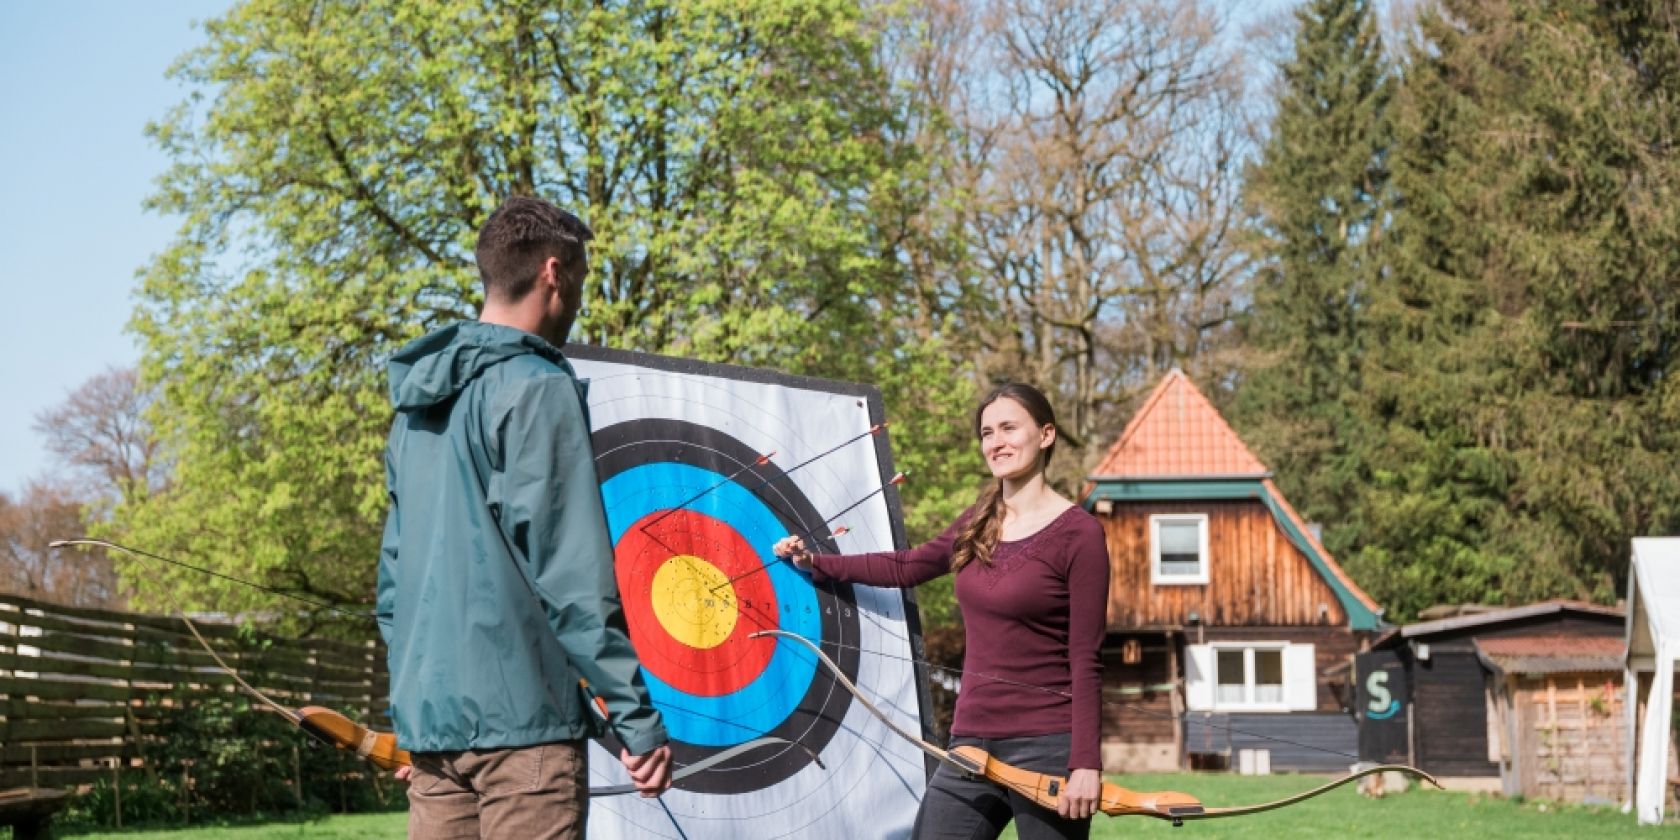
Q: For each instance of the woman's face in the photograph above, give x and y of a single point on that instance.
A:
(1010, 441)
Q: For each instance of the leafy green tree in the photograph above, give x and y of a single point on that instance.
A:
(743, 163)
(1521, 367)
(1318, 194)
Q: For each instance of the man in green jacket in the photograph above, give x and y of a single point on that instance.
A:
(497, 596)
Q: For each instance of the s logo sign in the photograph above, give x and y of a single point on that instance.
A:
(1382, 705)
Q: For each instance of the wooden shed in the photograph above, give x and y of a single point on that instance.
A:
(1230, 625)
(1525, 700)
(1558, 725)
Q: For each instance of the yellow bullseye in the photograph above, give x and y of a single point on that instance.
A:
(694, 601)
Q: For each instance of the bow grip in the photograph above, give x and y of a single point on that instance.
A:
(336, 729)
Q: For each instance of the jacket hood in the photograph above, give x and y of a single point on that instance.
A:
(437, 366)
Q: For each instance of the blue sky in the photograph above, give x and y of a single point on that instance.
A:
(79, 80)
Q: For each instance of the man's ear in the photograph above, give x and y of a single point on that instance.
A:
(552, 275)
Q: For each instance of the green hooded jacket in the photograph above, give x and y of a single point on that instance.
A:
(496, 583)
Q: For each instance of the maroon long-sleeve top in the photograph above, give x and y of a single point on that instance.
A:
(1034, 620)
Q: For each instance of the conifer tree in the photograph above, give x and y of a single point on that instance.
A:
(1519, 371)
(1318, 194)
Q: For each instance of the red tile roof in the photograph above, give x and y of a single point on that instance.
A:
(1178, 434)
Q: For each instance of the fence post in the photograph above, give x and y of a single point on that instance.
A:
(34, 768)
(297, 776)
(370, 674)
(116, 792)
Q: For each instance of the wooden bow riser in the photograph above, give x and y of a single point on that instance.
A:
(333, 728)
(1046, 790)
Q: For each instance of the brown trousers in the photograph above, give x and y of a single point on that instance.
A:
(539, 792)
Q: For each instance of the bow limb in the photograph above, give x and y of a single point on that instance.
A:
(711, 761)
(381, 748)
(943, 756)
(1045, 789)
(1213, 813)
(270, 704)
(1117, 801)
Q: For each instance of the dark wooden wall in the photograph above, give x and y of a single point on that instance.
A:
(1256, 575)
(1133, 710)
(1449, 700)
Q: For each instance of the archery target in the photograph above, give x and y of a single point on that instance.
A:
(693, 515)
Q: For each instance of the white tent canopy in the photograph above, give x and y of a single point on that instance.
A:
(1653, 644)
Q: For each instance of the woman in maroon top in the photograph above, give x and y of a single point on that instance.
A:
(1032, 582)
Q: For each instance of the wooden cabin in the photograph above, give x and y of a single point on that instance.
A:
(1231, 628)
(1521, 701)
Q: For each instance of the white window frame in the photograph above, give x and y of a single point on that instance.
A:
(1155, 576)
(1249, 686)
(1300, 676)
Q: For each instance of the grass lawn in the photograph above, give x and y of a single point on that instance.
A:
(345, 827)
(1341, 814)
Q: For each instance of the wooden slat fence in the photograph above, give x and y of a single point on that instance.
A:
(1573, 737)
(83, 690)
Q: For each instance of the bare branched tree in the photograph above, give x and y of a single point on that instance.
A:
(100, 434)
(1103, 144)
(929, 49)
(45, 512)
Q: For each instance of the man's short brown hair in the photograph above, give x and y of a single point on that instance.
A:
(519, 237)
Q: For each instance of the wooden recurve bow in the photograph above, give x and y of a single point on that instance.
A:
(336, 730)
(1045, 789)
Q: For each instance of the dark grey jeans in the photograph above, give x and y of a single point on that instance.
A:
(959, 807)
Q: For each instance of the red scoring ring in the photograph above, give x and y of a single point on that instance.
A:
(709, 672)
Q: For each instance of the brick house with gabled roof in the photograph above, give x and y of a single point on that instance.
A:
(1229, 622)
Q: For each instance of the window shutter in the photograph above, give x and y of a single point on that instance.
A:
(1198, 677)
(1300, 678)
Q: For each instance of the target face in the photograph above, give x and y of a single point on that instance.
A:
(694, 506)
(693, 517)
